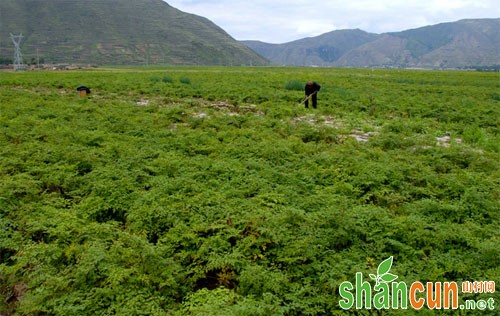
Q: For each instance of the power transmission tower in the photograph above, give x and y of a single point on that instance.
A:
(18, 57)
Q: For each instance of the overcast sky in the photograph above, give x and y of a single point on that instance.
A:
(281, 21)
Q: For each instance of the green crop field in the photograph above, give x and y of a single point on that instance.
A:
(213, 191)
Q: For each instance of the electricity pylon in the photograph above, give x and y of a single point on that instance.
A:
(18, 57)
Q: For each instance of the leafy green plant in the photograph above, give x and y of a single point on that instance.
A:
(225, 197)
(167, 79)
(185, 80)
(294, 85)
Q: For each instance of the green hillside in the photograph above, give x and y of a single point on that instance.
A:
(212, 191)
(116, 32)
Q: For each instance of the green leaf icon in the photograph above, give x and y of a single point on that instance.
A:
(384, 266)
(383, 275)
(388, 277)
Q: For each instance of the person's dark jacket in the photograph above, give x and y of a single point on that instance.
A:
(312, 87)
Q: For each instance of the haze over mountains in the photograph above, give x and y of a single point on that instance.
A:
(462, 44)
(147, 32)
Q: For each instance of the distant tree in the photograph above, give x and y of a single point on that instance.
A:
(5, 61)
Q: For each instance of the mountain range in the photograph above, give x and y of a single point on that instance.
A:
(116, 32)
(461, 44)
(148, 32)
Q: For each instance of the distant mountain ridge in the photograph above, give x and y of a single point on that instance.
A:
(461, 44)
(116, 32)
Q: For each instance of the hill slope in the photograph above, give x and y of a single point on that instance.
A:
(322, 50)
(466, 43)
(116, 32)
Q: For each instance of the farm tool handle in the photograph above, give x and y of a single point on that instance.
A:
(309, 96)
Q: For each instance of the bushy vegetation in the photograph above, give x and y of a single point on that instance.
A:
(216, 193)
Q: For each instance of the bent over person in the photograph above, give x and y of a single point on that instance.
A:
(311, 90)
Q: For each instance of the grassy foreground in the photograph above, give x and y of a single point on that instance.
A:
(211, 191)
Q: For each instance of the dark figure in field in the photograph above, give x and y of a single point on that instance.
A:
(311, 90)
(83, 90)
